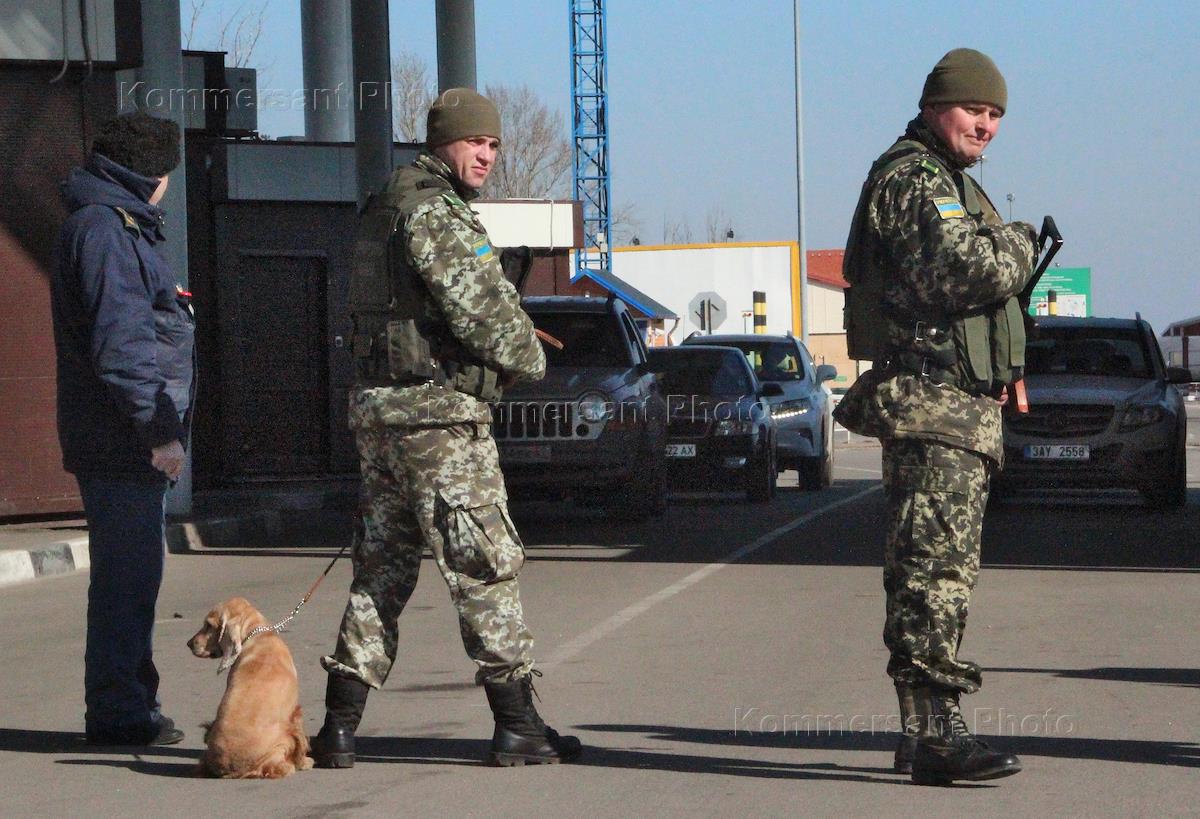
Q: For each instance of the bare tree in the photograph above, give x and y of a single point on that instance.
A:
(237, 35)
(624, 224)
(536, 154)
(676, 231)
(535, 158)
(412, 93)
(717, 226)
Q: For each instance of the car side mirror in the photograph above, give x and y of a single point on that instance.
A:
(771, 389)
(826, 372)
(1179, 375)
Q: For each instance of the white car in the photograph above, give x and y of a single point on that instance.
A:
(803, 413)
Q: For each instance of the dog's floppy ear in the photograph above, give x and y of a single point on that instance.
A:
(229, 639)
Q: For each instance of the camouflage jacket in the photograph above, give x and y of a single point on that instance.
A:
(445, 243)
(944, 262)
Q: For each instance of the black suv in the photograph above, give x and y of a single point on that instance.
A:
(595, 427)
(720, 430)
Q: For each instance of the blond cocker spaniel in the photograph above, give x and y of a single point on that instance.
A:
(259, 729)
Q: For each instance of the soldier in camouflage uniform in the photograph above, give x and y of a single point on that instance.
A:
(439, 331)
(934, 275)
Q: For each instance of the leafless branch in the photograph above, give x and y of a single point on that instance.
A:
(412, 93)
(716, 224)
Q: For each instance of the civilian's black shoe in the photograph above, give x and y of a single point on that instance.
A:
(161, 731)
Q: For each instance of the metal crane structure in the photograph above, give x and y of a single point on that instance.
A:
(589, 98)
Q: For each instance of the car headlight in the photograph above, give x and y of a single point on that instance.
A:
(734, 426)
(594, 407)
(791, 409)
(1142, 415)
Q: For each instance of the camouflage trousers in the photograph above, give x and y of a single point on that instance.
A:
(935, 501)
(439, 488)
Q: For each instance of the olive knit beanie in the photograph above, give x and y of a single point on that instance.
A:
(459, 113)
(965, 75)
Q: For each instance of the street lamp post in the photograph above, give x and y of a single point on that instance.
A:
(804, 313)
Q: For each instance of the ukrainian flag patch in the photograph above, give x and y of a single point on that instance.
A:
(483, 250)
(949, 207)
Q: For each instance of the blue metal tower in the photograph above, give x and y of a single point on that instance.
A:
(589, 98)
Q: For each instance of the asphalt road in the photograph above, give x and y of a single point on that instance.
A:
(723, 661)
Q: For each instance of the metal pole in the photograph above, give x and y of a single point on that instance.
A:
(328, 80)
(455, 44)
(161, 75)
(372, 96)
(804, 312)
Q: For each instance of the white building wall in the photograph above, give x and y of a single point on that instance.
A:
(826, 303)
(674, 276)
(540, 224)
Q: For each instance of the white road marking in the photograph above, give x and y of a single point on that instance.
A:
(573, 647)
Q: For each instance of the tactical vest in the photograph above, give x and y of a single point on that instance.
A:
(979, 352)
(398, 341)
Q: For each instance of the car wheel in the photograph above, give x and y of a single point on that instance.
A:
(817, 473)
(761, 474)
(1174, 494)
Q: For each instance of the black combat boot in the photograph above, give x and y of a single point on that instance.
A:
(520, 736)
(908, 730)
(345, 698)
(946, 748)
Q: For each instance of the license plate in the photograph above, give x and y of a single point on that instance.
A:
(1057, 452)
(527, 454)
(681, 450)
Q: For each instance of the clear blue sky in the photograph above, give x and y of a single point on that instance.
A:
(1101, 130)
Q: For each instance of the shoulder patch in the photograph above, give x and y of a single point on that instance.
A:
(949, 208)
(930, 166)
(453, 201)
(483, 249)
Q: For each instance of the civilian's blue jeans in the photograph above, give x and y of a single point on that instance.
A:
(125, 542)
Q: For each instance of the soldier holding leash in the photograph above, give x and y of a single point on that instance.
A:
(439, 331)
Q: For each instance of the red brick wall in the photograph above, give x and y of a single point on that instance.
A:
(44, 130)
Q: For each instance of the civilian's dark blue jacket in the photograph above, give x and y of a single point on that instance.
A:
(123, 331)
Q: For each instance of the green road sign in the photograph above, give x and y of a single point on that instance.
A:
(1072, 288)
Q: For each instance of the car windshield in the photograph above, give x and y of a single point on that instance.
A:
(688, 373)
(589, 340)
(1111, 352)
(772, 360)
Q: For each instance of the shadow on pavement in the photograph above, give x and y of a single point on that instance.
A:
(1032, 533)
(448, 751)
(1100, 532)
(156, 760)
(1145, 752)
(1183, 677)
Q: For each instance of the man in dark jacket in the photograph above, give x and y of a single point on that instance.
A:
(123, 331)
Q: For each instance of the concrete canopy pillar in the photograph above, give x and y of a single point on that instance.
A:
(372, 90)
(456, 44)
(157, 88)
(328, 70)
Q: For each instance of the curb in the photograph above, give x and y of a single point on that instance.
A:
(249, 528)
(290, 519)
(61, 557)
